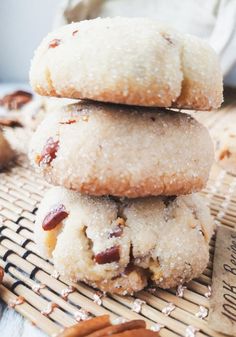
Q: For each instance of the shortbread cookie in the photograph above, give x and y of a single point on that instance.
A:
(6, 152)
(105, 149)
(131, 61)
(118, 245)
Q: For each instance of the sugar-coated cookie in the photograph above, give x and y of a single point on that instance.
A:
(118, 245)
(131, 61)
(104, 149)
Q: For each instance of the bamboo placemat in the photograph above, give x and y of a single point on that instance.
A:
(30, 276)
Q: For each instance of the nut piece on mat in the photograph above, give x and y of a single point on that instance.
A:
(106, 149)
(131, 61)
(16, 100)
(6, 152)
(158, 238)
(94, 328)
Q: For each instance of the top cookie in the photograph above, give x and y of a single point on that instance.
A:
(131, 61)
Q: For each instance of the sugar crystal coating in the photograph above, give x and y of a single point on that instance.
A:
(130, 61)
(158, 240)
(122, 151)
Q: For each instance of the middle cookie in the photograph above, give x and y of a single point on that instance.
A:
(103, 149)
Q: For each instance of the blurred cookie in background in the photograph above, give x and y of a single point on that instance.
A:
(225, 144)
(6, 152)
(11, 105)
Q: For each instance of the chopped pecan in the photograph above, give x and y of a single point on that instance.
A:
(69, 121)
(108, 256)
(54, 217)
(116, 232)
(54, 43)
(75, 32)
(225, 154)
(49, 152)
(16, 99)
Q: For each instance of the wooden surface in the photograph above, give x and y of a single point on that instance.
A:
(21, 190)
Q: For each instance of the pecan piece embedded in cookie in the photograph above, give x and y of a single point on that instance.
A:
(54, 217)
(108, 256)
(54, 43)
(49, 152)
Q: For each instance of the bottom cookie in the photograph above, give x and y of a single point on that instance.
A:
(119, 245)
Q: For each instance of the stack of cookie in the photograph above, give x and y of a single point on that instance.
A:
(123, 214)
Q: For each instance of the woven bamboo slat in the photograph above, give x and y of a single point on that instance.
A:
(30, 276)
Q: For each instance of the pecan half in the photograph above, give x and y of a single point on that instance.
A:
(54, 217)
(114, 329)
(54, 43)
(49, 152)
(108, 256)
(86, 327)
(16, 99)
